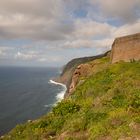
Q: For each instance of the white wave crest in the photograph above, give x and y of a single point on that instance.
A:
(61, 94)
(49, 105)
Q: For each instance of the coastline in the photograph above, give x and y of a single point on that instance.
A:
(60, 96)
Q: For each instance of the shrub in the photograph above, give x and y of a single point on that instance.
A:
(65, 108)
(119, 101)
(42, 124)
(57, 123)
(135, 104)
(95, 116)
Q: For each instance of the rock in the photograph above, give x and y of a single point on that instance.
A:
(81, 70)
(1, 137)
(29, 121)
(126, 48)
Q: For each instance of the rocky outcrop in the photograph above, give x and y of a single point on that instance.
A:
(81, 71)
(85, 70)
(67, 73)
(126, 48)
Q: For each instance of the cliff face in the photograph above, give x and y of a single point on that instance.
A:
(67, 75)
(86, 70)
(126, 48)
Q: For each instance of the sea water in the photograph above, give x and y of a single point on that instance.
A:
(26, 94)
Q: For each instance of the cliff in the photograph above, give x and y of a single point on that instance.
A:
(126, 48)
(69, 68)
(103, 103)
(86, 70)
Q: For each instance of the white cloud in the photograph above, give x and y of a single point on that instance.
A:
(87, 43)
(88, 28)
(4, 50)
(42, 59)
(25, 56)
(127, 29)
(1, 53)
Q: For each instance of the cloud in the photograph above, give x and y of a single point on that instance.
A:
(87, 28)
(45, 31)
(126, 10)
(34, 8)
(1, 53)
(25, 56)
(89, 43)
(54, 20)
(33, 19)
(42, 60)
(127, 29)
(5, 51)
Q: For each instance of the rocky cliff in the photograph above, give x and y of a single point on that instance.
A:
(69, 69)
(126, 48)
(87, 69)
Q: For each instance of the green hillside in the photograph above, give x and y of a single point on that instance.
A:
(106, 106)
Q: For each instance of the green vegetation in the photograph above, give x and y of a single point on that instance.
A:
(64, 108)
(106, 105)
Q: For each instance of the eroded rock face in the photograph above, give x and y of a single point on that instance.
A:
(126, 48)
(81, 70)
(69, 69)
(85, 70)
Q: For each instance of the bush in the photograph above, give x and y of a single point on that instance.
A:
(65, 108)
(95, 116)
(119, 101)
(135, 104)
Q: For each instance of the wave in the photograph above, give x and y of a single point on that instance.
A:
(60, 95)
(49, 105)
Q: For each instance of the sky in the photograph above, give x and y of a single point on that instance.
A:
(52, 32)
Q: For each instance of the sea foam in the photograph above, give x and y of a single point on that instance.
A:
(61, 94)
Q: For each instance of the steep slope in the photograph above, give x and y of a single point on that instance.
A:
(69, 68)
(105, 106)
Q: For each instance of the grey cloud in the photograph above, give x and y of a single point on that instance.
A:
(46, 8)
(125, 10)
(34, 19)
(55, 35)
(41, 31)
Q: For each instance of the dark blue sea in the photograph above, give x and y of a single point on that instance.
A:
(26, 94)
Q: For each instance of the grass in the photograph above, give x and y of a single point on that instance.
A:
(104, 105)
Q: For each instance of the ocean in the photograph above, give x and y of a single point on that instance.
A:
(26, 93)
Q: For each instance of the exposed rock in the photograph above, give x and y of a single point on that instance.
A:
(85, 70)
(126, 48)
(69, 69)
(29, 121)
(81, 70)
